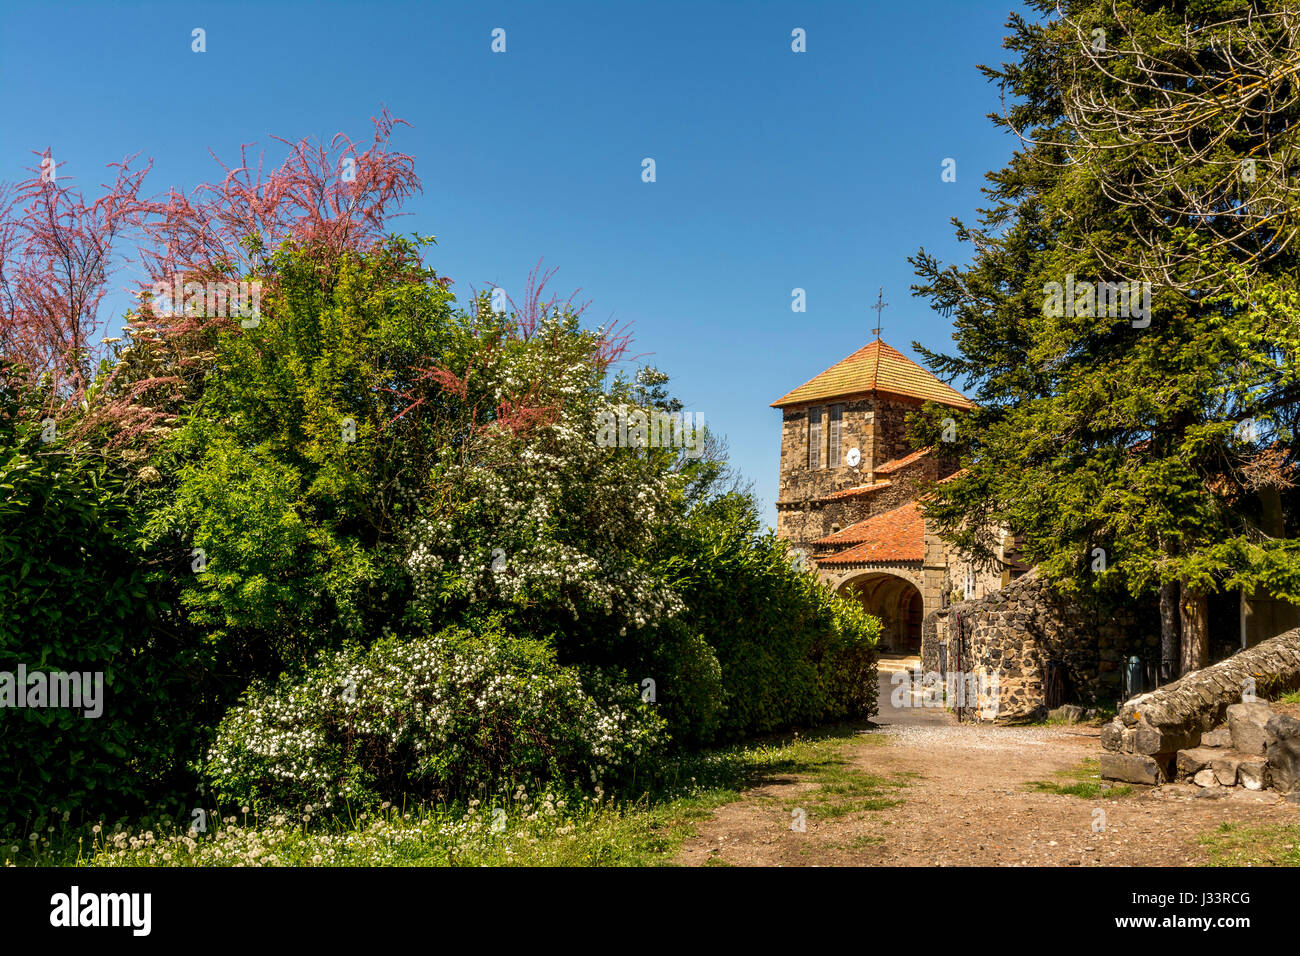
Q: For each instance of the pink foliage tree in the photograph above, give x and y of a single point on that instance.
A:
(523, 407)
(56, 256)
(57, 253)
(328, 197)
(325, 199)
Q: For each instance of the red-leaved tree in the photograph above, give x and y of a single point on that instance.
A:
(57, 253)
(56, 256)
(58, 249)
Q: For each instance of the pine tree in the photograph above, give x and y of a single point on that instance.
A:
(1134, 442)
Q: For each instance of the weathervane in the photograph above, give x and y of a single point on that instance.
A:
(880, 308)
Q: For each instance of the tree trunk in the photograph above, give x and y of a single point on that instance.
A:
(1194, 621)
(1169, 631)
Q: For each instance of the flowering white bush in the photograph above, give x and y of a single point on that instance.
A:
(628, 556)
(547, 518)
(445, 716)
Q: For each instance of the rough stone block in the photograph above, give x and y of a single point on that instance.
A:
(1284, 752)
(1189, 762)
(1219, 737)
(1070, 713)
(1133, 768)
(1205, 778)
(1112, 736)
(1150, 739)
(1252, 773)
(1246, 724)
(1282, 727)
(1225, 770)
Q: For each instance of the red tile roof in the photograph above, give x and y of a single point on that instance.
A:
(897, 535)
(891, 466)
(853, 492)
(875, 368)
(853, 534)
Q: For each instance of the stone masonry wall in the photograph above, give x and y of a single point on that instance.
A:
(873, 424)
(908, 483)
(1017, 632)
(1160, 735)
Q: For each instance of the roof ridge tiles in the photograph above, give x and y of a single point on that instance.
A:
(876, 367)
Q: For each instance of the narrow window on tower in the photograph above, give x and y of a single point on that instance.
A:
(833, 455)
(814, 438)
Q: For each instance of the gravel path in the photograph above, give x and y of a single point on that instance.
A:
(967, 803)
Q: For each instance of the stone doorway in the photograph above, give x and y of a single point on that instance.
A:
(898, 604)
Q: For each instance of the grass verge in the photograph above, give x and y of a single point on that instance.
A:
(1237, 844)
(1081, 781)
(520, 828)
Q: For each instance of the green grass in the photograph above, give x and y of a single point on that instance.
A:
(1081, 781)
(840, 790)
(528, 830)
(1291, 697)
(864, 842)
(1236, 844)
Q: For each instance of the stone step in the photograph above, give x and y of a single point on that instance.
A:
(1246, 723)
(1219, 767)
(1219, 737)
(1134, 768)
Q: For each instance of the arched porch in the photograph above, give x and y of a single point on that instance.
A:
(896, 601)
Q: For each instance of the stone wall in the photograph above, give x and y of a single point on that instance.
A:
(1029, 632)
(907, 484)
(1158, 736)
(874, 424)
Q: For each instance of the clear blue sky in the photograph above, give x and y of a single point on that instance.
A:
(775, 170)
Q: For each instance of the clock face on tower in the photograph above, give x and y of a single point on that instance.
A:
(799, 558)
(853, 457)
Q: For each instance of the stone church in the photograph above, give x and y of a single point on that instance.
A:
(850, 502)
(849, 489)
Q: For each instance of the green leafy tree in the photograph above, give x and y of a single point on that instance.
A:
(1135, 449)
(281, 497)
(74, 600)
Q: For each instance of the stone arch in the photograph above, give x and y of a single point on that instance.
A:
(893, 596)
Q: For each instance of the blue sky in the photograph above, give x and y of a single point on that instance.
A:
(775, 170)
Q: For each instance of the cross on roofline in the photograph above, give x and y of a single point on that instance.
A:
(880, 309)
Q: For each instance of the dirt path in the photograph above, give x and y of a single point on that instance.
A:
(964, 802)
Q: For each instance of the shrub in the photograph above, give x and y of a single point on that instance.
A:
(292, 470)
(791, 653)
(630, 558)
(690, 689)
(444, 716)
(73, 599)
